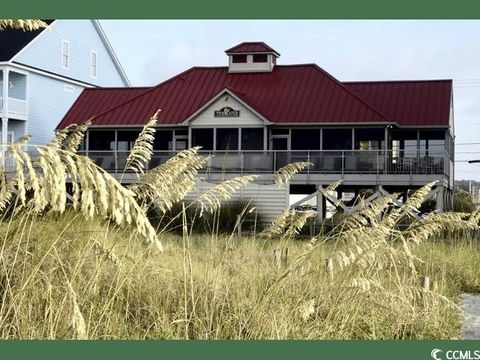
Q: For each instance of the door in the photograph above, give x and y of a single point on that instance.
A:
(281, 155)
(279, 143)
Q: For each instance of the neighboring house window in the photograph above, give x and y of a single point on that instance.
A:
(93, 65)
(65, 54)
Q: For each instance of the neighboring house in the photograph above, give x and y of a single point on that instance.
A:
(256, 116)
(43, 72)
(474, 190)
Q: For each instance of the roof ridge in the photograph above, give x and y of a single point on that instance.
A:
(117, 88)
(395, 81)
(381, 113)
(244, 97)
(267, 48)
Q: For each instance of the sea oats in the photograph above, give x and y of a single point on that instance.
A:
(142, 150)
(284, 174)
(211, 199)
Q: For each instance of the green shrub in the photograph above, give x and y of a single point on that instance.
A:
(222, 221)
(462, 202)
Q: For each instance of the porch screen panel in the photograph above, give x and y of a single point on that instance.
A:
(101, 147)
(337, 139)
(126, 139)
(369, 139)
(163, 140)
(252, 139)
(203, 138)
(404, 143)
(125, 142)
(101, 140)
(432, 142)
(227, 139)
(305, 139)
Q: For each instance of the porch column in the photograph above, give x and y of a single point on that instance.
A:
(418, 145)
(3, 110)
(440, 205)
(189, 137)
(265, 138)
(4, 134)
(385, 151)
(320, 206)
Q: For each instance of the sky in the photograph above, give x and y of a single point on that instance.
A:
(152, 51)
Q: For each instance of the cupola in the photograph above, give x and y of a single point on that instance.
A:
(251, 57)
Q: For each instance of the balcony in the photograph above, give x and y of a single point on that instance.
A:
(354, 162)
(16, 108)
(13, 95)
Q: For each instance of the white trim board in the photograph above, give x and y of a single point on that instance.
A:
(47, 74)
(110, 51)
(48, 28)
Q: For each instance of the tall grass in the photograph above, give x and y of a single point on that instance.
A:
(82, 265)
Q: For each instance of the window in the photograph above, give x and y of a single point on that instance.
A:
(93, 65)
(239, 59)
(260, 58)
(65, 54)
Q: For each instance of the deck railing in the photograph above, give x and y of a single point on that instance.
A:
(15, 106)
(324, 161)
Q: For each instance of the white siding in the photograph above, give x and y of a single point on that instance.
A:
(251, 66)
(206, 118)
(45, 53)
(48, 102)
(269, 200)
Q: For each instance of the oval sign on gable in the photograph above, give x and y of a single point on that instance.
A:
(227, 112)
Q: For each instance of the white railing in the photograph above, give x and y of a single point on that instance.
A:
(16, 106)
(324, 161)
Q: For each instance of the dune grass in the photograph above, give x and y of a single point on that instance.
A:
(65, 277)
(88, 263)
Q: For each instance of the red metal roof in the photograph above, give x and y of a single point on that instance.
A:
(288, 94)
(250, 47)
(93, 100)
(409, 103)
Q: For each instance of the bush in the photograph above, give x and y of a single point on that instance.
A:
(221, 221)
(462, 202)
